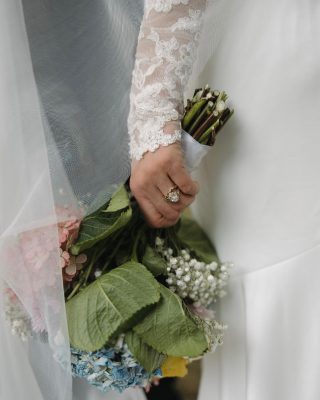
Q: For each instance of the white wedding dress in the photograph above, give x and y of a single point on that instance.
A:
(83, 391)
(260, 200)
(64, 141)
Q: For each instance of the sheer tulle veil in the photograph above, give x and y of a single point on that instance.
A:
(64, 98)
(65, 82)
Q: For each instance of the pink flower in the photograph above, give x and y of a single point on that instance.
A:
(68, 229)
(202, 312)
(74, 265)
(64, 258)
(34, 260)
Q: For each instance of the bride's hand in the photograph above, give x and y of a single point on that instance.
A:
(151, 179)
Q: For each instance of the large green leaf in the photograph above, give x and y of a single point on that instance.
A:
(154, 262)
(194, 237)
(98, 227)
(170, 329)
(148, 357)
(107, 305)
(119, 200)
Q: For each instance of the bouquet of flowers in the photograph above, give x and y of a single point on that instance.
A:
(139, 299)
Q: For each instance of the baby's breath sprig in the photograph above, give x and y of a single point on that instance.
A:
(214, 332)
(194, 281)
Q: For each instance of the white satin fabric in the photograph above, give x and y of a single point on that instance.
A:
(194, 152)
(83, 391)
(259, 200)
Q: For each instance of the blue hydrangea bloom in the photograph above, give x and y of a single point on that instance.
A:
(110, 368)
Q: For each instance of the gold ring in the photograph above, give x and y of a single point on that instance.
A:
(173, 195)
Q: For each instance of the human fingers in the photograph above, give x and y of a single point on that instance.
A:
(153, 216)
(146, 185)
(180, 176)
(143, 190)
(165, 184)
(164, 207)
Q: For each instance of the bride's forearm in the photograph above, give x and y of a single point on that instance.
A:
(165, 55)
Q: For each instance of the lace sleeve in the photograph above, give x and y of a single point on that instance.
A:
(165, 54)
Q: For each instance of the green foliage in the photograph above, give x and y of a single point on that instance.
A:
(148, 357)
(154, 262)
(129, 299)
(104, 223)
(196, 240)
(119, 201)
(106, 306)
(170, 329)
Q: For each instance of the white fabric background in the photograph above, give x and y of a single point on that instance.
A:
(83, 391)
(259, 199)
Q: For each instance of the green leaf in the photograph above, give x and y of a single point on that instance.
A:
(154, 262)
(119, 200)
(196, 240)
(148, 357)
(99, 226)
(108, 304)
(170, 329)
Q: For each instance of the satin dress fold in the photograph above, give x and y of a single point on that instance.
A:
(260, 200)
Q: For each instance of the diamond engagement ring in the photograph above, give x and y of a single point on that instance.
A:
(173, 195)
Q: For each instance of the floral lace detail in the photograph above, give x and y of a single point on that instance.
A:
(164, 5)
(165, 55)
(191, 23)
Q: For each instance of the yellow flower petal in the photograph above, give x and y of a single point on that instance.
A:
(174, 367)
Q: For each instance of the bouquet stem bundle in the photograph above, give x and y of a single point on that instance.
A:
(205, 115)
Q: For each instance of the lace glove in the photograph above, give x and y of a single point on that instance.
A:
(165, 54)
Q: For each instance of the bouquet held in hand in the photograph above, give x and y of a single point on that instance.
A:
(139, 300)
